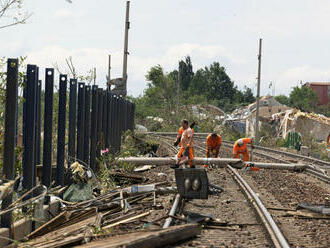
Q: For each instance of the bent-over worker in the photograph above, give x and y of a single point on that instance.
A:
(240, 147)
(213, 143)
(186, 152)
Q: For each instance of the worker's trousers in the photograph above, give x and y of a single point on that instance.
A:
(245, 154)
(187, 152)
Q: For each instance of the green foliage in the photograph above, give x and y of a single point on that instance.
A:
(303, 98)
(283, 99)
(186, 73)
(165, 99)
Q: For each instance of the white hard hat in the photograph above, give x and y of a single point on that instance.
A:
(240, 142)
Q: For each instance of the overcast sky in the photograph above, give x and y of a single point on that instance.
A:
(296, 38)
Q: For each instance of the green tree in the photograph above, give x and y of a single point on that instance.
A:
(304, 98)
(248, 95)
(283, 99)
(186, 73)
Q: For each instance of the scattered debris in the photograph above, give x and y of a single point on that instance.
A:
(143, 168)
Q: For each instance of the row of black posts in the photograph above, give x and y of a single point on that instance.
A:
(97, 118)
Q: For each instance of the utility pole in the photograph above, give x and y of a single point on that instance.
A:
(258, 95)
(127, 24)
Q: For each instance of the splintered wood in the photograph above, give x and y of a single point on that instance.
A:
(110, 217)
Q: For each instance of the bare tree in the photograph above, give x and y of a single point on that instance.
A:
(71, 71)
(12, 13)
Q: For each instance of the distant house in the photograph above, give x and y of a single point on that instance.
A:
(322, 90)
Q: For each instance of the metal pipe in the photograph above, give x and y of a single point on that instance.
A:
(168, 221)
(274, 228)
(170, 160)
(220, 162)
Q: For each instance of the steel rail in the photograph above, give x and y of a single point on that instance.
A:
(175, 205)
(273, 230)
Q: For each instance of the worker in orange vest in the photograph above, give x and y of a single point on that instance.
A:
(240, 147)
(213, 143)
(186, 152)
(180, 132)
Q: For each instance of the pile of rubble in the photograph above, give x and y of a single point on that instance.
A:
(131, 215)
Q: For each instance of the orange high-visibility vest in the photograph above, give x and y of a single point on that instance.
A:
(243, 148)
(213, 141)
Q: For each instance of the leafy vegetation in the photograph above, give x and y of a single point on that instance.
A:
(305, 99)
(169, 95)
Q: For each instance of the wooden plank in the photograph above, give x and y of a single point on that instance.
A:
(50, 225)
(127, 220)
(303, 214)
(158, 238)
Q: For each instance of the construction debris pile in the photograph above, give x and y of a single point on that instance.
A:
(280, 119)
(130, 216)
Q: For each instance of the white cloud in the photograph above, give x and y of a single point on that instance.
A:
(305, 73)
(66, 13)
(86, 58)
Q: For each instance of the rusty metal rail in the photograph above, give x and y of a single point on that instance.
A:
(272, 229)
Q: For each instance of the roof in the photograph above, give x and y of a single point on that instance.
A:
(319, 83)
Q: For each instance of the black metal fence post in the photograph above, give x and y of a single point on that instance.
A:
(72, 120)
(81, 121)
(38, 123)
(10, 131)
(29, 130)
(108, 120)
(48, 128)
(99, 121)
(87, 123)
(94, 116)
(112, 124)
(61, 131)
(104, 119)
(116, 129)
(37, 128)
(125, 115)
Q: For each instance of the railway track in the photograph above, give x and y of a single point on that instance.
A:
(278, 198)
(317, 168)
(271, 236)
(279, 153)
